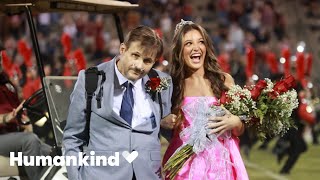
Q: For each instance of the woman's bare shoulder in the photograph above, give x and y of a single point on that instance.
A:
(228, 80)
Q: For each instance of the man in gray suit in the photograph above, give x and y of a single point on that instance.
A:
(128, 121)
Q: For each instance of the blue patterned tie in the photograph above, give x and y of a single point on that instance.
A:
(126, 110)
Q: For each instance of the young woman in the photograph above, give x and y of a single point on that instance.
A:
(197, 77)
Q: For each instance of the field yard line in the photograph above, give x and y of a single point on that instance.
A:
(265, 171)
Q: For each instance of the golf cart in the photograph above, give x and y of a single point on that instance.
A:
(56, 90)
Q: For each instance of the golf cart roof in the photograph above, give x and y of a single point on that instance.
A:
(38, 6)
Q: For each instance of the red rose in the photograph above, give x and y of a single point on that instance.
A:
(261, 84)
(280, 87)
(223, 98)
(290, 81)
(255, 93)
(154, 83)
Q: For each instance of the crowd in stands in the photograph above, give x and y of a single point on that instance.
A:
(249, 38)
(234, 25)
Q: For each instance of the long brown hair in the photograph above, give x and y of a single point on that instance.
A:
(179, 69)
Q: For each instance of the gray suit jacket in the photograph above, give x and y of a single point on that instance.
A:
(109, 133)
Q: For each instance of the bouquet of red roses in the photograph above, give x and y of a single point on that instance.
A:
(266, 107)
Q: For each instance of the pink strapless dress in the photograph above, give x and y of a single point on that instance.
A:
(221, 161)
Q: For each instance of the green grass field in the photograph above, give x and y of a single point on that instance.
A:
(262, 165)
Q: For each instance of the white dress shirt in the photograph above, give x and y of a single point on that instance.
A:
(142, 109)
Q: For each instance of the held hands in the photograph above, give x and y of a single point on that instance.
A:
(169, 121)
(219, 125)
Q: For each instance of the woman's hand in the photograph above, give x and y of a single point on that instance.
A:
(219, 125)
(169, 121)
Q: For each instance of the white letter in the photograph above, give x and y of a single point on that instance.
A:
(59, 161)
(74, 160)
(13, 159)
(104, 160)
(43, 161)
(92, 158)
(83, 160)
(30, 162)
(114, 160)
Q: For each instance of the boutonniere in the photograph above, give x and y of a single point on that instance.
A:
(157, 85)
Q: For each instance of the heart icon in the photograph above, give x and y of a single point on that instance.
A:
(130, 156)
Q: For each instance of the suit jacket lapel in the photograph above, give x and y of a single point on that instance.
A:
(107, 108)
(108, 92)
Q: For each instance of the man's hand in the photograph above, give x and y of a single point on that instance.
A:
(12, 115)
(9, 116)
(168, 122)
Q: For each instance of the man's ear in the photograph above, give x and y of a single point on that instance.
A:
(122, 48)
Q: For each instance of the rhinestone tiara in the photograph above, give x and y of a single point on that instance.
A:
(181, 24)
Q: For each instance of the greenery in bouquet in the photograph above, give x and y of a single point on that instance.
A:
(267, 106)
